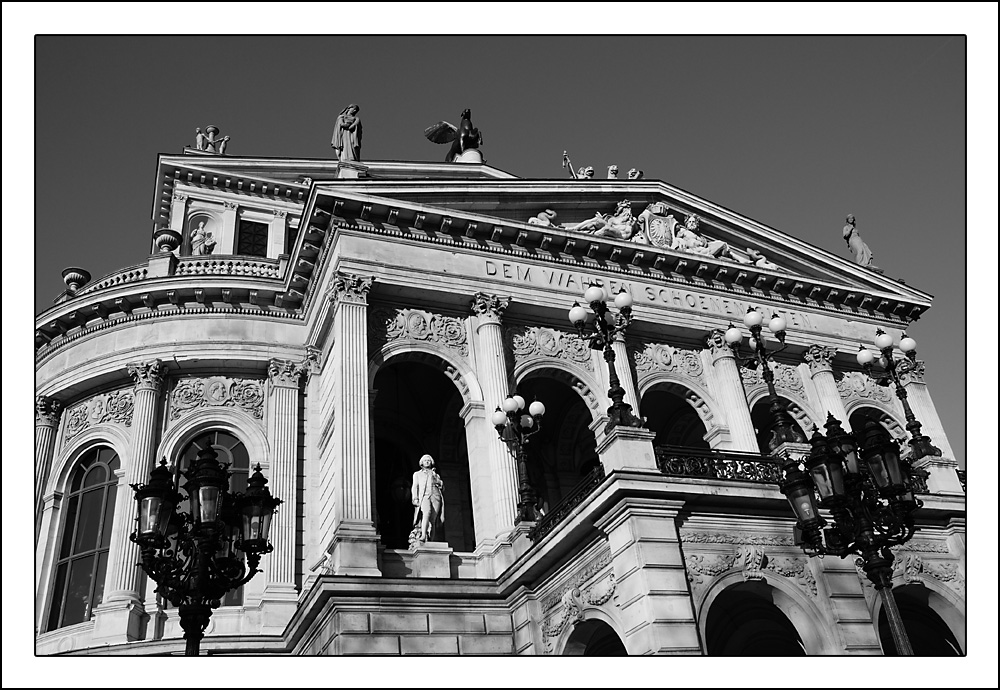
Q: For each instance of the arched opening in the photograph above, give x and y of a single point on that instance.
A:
(594, 638)
(86, 538)
(863, 414)
(564, 451)
(672, 418)
(764, 423)
(744, 620)
(416, 412)
(929, 634)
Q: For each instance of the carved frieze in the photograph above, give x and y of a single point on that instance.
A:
(735, 538)
(796, 569)
(856, 385)
(528, 342)
(47, 410)
(702, 568)
(912, 568)
(653, 357)
(785, 378)
(387, 324)
(115, 407)
(217, 391)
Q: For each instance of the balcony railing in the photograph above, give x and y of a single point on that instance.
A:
(228, 266)
(713, 464)
(564, 507)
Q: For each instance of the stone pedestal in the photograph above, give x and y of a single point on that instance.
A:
(161, 265)
(469, 156)
(790, 449)
(628, 448)
(119, 621)
(432, 559)
(652, 587)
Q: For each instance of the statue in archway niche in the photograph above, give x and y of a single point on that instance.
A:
(346, 141)
(862, 254)
(465, 139)
(427, 492)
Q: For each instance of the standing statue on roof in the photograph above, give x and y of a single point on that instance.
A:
(862, 254)
(465, 139)
(346, 139)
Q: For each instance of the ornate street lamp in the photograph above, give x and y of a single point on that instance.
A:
(785, 430)
(193, 556)
(871, 502)
(920, 444)
(606, 327)
(515, 429)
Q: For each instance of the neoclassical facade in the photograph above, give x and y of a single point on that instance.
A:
(334, 322)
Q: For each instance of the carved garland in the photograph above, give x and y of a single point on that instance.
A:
(701, 569)
(652, 357)
(855, 384)
(115, 407)
(217, 391)
(785, 378)
(388, 324)
(911, 567)
(529, 342)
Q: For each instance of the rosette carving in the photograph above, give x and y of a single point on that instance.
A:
(387, 324)
(217, 391)
(528, 342)
(115, 407)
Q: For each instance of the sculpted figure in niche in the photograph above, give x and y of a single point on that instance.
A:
(621, 224)
(202, 241)
(346, 141)
(862, 254)
(544, 219)
(427, 493)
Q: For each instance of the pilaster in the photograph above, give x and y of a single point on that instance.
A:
(227, 234)
(495, 381)
(47, 413)
(820, 361)
(652, 589)
(276, 231)
(479, 434)
(732, 397)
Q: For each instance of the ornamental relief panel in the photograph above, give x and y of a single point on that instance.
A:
(857, 385)
(703, 569)
(115, 408)
(216, 391)
(387, 324)
(653, 357)
(593, 585)
(914, 568)
(531, 342)
(786, 378)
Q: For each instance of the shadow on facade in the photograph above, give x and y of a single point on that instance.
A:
(745, 621)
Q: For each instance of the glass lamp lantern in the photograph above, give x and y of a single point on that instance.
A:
(826, 469)
(256, 510)
(881, 454)
(842, 443)
(798, 489)
(157, 505)
(206, 481)
(753, 318)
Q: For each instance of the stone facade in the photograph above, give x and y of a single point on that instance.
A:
(296, 351)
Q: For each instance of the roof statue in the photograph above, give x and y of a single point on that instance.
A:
(346, 141)
(635, 174)
(612, 172)
(862, 254)
(209, 141)
(567, 163)
(465, 139)
(585, 172)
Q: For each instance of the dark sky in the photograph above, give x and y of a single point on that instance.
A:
(795, 132)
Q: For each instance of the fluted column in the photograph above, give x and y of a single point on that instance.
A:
(354, 551)
(283, 428)
(624, 372)
(731, 394)
(920, 401)
(495, 381)
(47, 412)
(119, 618)
(820, 361)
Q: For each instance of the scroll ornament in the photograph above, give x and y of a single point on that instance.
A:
(388, 325)
(217, 391)
(527, 342)
(115, 407)
(650, 357)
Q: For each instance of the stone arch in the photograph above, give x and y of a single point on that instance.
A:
(693, 394)
(813, 628)
(939, 598)
(102, 434)
(236, 422)
(457, 370)
(584, 385)
(573, 639)
(881, 415)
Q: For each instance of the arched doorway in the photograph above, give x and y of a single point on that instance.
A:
(672, 418)
(565, 450)
(415, 411)
(764, 423)
(594, 638)
(744, 620)
(929, 634)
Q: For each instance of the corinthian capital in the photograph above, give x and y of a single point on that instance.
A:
(715, 343)
(489, 308)
(284, 373)
(47, 410)
(351, 288)
(147, 375)
(910, 372)
(819, 358)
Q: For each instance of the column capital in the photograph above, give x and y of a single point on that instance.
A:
(47, 410)
(312, 364)
(489, 308)
(715, 343)
(284, 373)
(350, 288)
(147, 375)
(910, 372)
(819, 358)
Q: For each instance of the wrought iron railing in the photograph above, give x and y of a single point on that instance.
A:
(567, 504)
(713, 464)
(961, 478)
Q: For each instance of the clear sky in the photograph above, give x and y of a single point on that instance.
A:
(793, 131)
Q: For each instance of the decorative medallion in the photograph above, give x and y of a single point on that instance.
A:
(528, 342)
(650, 357)
(387, 325)
(217, 391)
(856, 384)
(115, 408)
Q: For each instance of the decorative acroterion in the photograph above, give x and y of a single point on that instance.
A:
(465, 139)
(210, 141)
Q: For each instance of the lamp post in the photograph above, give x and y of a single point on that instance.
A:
(785, 430)
(606, 327)
(193, 556)
(515, 429)
(920, 444)
(871, 502)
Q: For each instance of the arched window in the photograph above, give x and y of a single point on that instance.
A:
(86, 538)
(231, 451)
